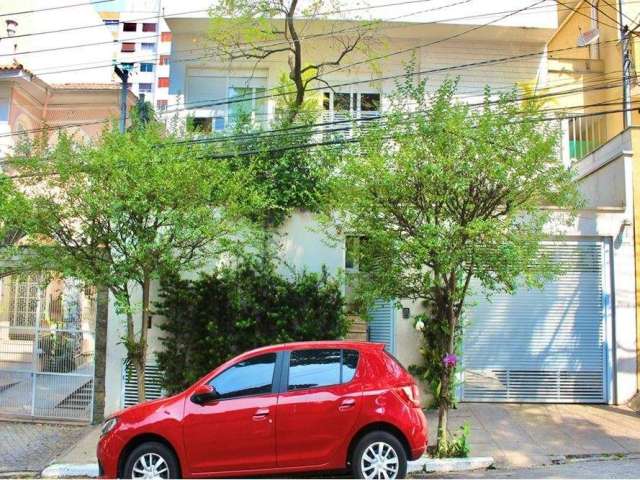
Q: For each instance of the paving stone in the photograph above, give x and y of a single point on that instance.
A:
(29, 447)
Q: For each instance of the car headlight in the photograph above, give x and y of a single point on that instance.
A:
(108, 425)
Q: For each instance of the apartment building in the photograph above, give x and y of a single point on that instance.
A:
(144, 47)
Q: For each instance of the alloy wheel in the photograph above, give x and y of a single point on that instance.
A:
(150, 465)
(379, 461)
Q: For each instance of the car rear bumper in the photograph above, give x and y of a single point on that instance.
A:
(419, 436)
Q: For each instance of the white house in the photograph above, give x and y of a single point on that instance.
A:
(573, 341)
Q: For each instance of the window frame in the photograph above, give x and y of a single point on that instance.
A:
(275, 379)
(130, 47)
(284, 378)
(144, 67)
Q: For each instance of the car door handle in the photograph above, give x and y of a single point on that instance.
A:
(347, 404)
(261, 414)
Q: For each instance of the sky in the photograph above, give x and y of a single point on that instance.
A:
(541, 13)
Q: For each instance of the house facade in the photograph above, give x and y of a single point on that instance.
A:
(572, 341)
(602, 120)
(48, 328)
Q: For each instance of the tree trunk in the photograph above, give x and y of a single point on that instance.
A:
(447, 372)
(141, 358)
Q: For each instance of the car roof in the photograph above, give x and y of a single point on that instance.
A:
(355, 345)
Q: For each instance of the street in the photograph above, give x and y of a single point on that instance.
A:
(617, 468)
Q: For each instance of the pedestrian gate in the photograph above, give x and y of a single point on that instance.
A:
(47, 343)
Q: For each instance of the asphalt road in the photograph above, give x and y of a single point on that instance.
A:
(622, 468)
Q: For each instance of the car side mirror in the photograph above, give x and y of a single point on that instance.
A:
(204, 394)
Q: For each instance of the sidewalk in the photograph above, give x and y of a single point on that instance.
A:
(78, 461)
(524, 435)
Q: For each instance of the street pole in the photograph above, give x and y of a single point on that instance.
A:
(626, 69)
(123, 74)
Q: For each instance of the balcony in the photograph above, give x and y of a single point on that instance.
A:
(582, 135)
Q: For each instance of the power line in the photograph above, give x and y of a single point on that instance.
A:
(439, 70)
(227, 101)
(274, 43)
(53, 8)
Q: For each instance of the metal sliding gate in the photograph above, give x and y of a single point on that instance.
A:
(47, 344)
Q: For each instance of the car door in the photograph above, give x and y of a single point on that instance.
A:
(318, 409)
(237, 431)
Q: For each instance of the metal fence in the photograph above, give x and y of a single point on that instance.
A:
(47, 346)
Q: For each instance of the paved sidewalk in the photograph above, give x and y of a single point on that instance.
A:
(522, 435)
(29, 447)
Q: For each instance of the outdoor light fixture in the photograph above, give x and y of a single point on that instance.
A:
(11, 27)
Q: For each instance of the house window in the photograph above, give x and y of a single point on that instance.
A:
(165, 36)
(352, 252)
(356, 105)
(161, 104)
(128, 47)
(149, 27)
(200, 124)
(248, 102)
(129, 27)
(163, 82)
(164, 60)
(146, 67)
(112, 25)
(145, 87)
(25, 301)
(148, 47)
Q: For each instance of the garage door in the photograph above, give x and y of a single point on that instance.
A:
(543, 345)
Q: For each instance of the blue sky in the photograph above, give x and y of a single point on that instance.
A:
(115, 5)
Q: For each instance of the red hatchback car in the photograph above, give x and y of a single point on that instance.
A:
(297, 407)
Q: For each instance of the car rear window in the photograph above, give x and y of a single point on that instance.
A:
(321, 367)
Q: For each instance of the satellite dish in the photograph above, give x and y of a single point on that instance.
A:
(588, 37)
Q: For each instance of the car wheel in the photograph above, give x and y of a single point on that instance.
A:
(379, 455)
(151, 460)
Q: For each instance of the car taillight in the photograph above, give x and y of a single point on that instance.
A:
(411, 394)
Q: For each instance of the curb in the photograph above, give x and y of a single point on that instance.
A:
(71, 470)
(19, 474)
(445, 465)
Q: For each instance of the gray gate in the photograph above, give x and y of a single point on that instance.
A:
(47, 344)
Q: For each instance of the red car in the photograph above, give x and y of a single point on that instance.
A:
(298, 407)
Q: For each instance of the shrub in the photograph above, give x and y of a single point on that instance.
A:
(220, 315)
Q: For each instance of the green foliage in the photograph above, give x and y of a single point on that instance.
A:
(123, 211)
(220, 315)
(433, 347)
(445, 193)
(456, 447)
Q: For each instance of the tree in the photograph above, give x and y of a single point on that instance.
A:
(254, 30)
(449, 198)
(121, 213)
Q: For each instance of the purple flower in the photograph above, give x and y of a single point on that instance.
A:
(450, 360)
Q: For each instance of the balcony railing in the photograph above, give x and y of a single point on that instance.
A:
(584, 135)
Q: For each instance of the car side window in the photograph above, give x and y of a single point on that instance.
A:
(253, 376)
(314, 368)
(321, 367)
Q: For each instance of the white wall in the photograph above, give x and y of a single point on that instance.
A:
(302, 245)
(45, 62)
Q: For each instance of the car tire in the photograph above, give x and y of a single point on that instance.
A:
(154, 457)
(378, 450)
